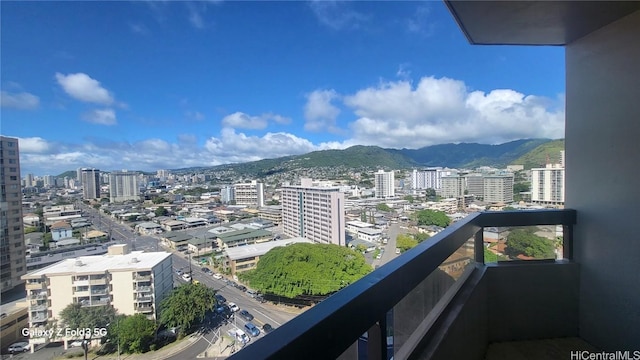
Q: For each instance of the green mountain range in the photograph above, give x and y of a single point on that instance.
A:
(464, 155)
(527, 152)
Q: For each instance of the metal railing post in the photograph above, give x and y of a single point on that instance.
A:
(479, 246)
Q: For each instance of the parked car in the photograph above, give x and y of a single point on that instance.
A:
(186, 277)
(267, 328)
(19, 347)
(220, 298)
(217, 276)
(252, 329)
(242, 287)
(246, 315)
(179, 271)
(77, 343)
(208, 271)
(233, 307)
(240, 336)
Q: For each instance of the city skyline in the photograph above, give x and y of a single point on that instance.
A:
(181, 84)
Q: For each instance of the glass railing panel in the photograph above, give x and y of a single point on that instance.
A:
(417, 307)
(523, 243)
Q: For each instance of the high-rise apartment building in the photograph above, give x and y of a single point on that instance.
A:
(547, 184)
(123, 186)
(384, 184)
(131, 282)
(498, 188)
(227, 194)
(90, 183)
(475, 185)
(314, 213)
(429, 178)
(249, 194)
(12, 250)
(49, 181)
(453, 186)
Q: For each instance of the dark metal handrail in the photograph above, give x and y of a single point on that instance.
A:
(329, 328)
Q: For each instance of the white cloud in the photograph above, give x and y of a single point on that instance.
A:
(441, 110)
(320, 114)
(82, 87)
(33, 145)
(419, 23)
(338, 15)
(240, 120)
(238, 147)
(101, 117)
(22, 100)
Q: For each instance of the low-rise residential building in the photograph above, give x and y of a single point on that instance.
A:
(131, 282)
(246, 236)
(370, 234)
(271, 213)
(176, 240)
(148, 228)
(243, 258)
(15, 318)
(203, 245)
(61, 230)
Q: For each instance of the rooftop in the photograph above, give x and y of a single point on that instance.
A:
(136, 260)
(242, 252)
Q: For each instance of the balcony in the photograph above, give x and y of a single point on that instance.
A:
(144, 298)
(99, 281)
(141, 278)
(35, 285)
(38, 307)
(38, 296)
(99, 291)
(424, 303)
(143, 289)
(144, 309)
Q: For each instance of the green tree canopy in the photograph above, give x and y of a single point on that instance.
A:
(187, 305)
(75, 316)
(307, 269)
(135, 333)
(161, 211)
(432, 217)
(405, 242)
(525, 241)
(383, 207)
(409, 198)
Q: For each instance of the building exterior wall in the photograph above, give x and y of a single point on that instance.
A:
(129, 290)
(547, 185)
(498, 188)
(602, 132)
(12, 249)
(317, 214)
(249, 194)
(17, 318)
(123, 186)
(475, 185)
(90, 183)
(453, 186)
(384, 184)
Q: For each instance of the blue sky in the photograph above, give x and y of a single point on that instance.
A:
(160, 85)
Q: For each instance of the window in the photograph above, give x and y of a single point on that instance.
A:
(14, 178)
(12, 169)
(12, 152)
(10, 143)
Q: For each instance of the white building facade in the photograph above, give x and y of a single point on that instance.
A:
(123, 186)
(249, 194)
(314, 213)
(547, 185)
(131, 282)
(384, 184)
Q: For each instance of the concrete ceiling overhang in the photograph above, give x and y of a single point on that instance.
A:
(535, 22)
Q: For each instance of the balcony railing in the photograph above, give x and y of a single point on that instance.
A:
(332, 327)
(140, 278)
(143, 289)
(144, 309)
